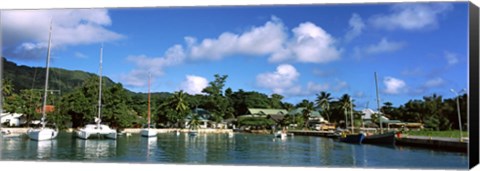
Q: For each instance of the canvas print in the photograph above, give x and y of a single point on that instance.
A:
(367, 85)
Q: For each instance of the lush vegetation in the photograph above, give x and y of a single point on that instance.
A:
(446, 134)
(76, 103)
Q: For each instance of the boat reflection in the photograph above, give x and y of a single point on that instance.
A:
(150, 144)
(96, 149)
(44, 149)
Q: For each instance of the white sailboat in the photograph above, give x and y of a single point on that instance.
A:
(97, 130)
(44, 133)
(148, 132)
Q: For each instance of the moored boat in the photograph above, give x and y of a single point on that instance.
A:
(352, 138)
(385, 138)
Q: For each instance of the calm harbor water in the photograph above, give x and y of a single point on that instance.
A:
(220, 149)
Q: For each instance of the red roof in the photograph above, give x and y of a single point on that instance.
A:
(48, 108)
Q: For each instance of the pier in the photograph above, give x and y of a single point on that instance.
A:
(450, 144)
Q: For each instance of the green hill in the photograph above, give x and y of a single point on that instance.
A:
(26, 77)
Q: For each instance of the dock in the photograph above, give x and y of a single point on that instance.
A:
(440, 143)
(313, 133)
(450, 144)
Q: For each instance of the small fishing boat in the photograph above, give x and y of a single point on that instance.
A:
(280, 134)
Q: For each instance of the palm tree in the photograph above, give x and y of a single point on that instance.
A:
(194, 122)
(345, 105)
(179, 104)
(323, 101)
(308, 108)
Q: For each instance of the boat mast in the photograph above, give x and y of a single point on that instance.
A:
(100, 88)
(45, 94)
(378, 104)
(148, 124)
(351, 114)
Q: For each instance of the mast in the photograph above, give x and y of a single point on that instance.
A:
(148, 124)
(378, 104)
(45, 94)
(100, 88)
(351, 114)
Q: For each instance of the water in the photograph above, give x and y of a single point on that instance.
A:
(220, 149)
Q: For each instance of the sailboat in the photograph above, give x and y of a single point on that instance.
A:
(97, 130)
(44, 133)
(382, 138)
(147, 132)
(352, 137)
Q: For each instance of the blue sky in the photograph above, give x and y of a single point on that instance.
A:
(417, 49)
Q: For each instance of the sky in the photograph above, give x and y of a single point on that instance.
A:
(297, 51)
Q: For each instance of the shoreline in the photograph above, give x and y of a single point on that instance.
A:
(135, 130)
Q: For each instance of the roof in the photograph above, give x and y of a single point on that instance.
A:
(266, 111)
(386, 120)
(203, 114)
(48, 108)
(300, 111)
(368, 113)
(276, 117)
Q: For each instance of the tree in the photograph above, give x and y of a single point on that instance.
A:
(276, 101)
(323, 101)
(217, 104)
(308, 108)
(345, 101)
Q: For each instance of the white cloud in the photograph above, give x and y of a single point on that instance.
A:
(26, 32)
(194, 84)
(80, 55)
(384, 46)
(356, 27)
(340, 85)
(435, 82)
(451, 58)
(280, 80)
(314, 87)
(411, 16)
(154, 65)
(257, 41)
(284, 81)
(394, 85)
(310, 44)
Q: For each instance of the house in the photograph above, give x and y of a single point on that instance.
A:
(265, 112)
(386, 122)
(12, 119)
(315, 120)
(204, 118)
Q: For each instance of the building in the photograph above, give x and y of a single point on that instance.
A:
(204, 118)
(12, 119)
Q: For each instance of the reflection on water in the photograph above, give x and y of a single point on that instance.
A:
(150, 145)
(96, 149)
(223, 149)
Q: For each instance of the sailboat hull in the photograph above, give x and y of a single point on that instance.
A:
(96, 132)
(148, 133)
(41, 134)
(386, 138)
(353, 138)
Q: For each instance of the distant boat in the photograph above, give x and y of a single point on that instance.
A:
(354, 138)
(280, 134)
(43, 132)
(148, 132)
(381, 138)
(97, 130)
